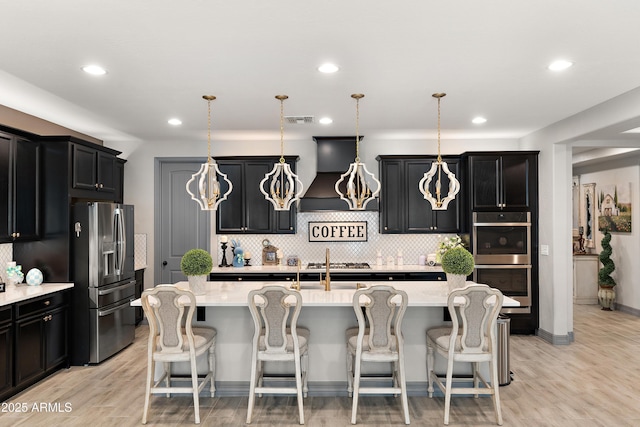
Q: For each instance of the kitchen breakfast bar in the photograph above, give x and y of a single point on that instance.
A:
(327, 314)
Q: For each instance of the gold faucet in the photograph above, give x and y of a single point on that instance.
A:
(296, 285)
(327, 276)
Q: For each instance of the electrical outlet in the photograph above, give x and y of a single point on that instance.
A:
(544, 249)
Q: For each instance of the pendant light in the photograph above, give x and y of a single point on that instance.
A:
(208, 196)
(284, 186)
(437, 168)
(359, 179)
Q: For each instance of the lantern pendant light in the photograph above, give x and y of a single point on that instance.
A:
(437, 168)
(209, 196)
(284, 186)
(359, 179)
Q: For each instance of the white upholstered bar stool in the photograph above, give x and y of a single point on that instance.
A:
(274, 340)
(474, 312)
(169, 342)
(379, 339)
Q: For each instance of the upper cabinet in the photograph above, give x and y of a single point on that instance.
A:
(19, 188)
(93, 169)
(246, 210)
(502, 181)
(403, 208)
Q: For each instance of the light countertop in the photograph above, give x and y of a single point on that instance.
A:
(21, 292)
(409, 268)
(231, 293)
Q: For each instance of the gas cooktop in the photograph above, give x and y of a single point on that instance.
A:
(338, 265)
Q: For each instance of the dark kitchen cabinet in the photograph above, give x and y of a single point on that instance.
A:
(119, 181)
(41, 343)
(93, 169)
(246, 210)
(19, 188)
(139, 275)
(6, 351)
(403, 208)
(502, 181)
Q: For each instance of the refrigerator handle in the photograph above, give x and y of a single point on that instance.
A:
(121, 242)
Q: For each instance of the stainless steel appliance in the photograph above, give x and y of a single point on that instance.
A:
(501, 243)
(338, 265)
(103, 321)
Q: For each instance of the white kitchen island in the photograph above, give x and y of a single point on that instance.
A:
(327, 314)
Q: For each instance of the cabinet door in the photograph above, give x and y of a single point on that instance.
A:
(417, 211)
(56, 337)
(258, 211)
(6, 205)
(119, 181)
(106, 172)
(84, 167)
(6, 359)
(230, 218)
(392, 179)
(29, 361)
(485, 182)
(516, 171)
(27, 189)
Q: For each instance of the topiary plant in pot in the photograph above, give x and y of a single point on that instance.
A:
(458, 264)
(196, 264)
(606, 293)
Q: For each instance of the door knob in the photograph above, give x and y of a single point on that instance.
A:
(164, 263)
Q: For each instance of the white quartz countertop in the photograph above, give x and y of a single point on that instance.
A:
(21, 292)
(420, 293)
(304, 269)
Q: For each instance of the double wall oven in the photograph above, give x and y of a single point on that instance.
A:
(501, 243)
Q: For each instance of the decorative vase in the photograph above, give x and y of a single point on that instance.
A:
(606, 296)
(198, 284)
(455, 281)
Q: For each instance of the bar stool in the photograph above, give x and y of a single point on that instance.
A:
(170, 342)
(477, 307)
(379, 339)
(274, 341)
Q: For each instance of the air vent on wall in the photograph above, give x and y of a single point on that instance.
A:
(299, 120)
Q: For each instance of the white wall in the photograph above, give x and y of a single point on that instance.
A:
(626, 246)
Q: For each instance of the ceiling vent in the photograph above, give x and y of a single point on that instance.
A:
(299, 120)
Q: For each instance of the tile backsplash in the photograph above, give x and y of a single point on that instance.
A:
(140, 250)
(6, 255)
(411, 245)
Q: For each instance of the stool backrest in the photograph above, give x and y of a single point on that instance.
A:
(272, 313)
(164, 307)
(384, 308)
(474, 309)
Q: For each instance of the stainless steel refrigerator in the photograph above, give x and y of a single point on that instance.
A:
(102, 319)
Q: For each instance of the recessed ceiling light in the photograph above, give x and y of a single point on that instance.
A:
(328, 68)
(174, 122)
(95, 70)
(560, 65)
(326, 120)
(478, 120)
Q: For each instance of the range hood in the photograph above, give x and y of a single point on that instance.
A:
(335, 154)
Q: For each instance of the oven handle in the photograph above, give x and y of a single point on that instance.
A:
(512, 266)
(117, 288)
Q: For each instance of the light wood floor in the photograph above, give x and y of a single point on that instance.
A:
(595, 381)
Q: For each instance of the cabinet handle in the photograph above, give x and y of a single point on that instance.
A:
(47, 302)
(96, 185)
(386, 228)
(101, 186)
(390, 277)
(290, 228)
(239, 279)
(47, 318)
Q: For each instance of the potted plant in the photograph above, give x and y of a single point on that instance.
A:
(606, 283)
(196, 264)
(458, 264)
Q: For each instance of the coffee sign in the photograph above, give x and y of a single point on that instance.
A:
(353, 231)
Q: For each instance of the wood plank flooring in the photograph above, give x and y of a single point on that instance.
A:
(594, 381)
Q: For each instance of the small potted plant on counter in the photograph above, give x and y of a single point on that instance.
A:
(196, 264)
(606, 283)
(458, 264)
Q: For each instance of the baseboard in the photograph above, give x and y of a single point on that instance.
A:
(628, 310)
(555, 339)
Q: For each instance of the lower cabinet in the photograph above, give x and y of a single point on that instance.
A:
(138, 293)
(335, 276)
(6, 351)
(36, 342)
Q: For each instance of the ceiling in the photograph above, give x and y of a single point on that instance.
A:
(490, 58)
